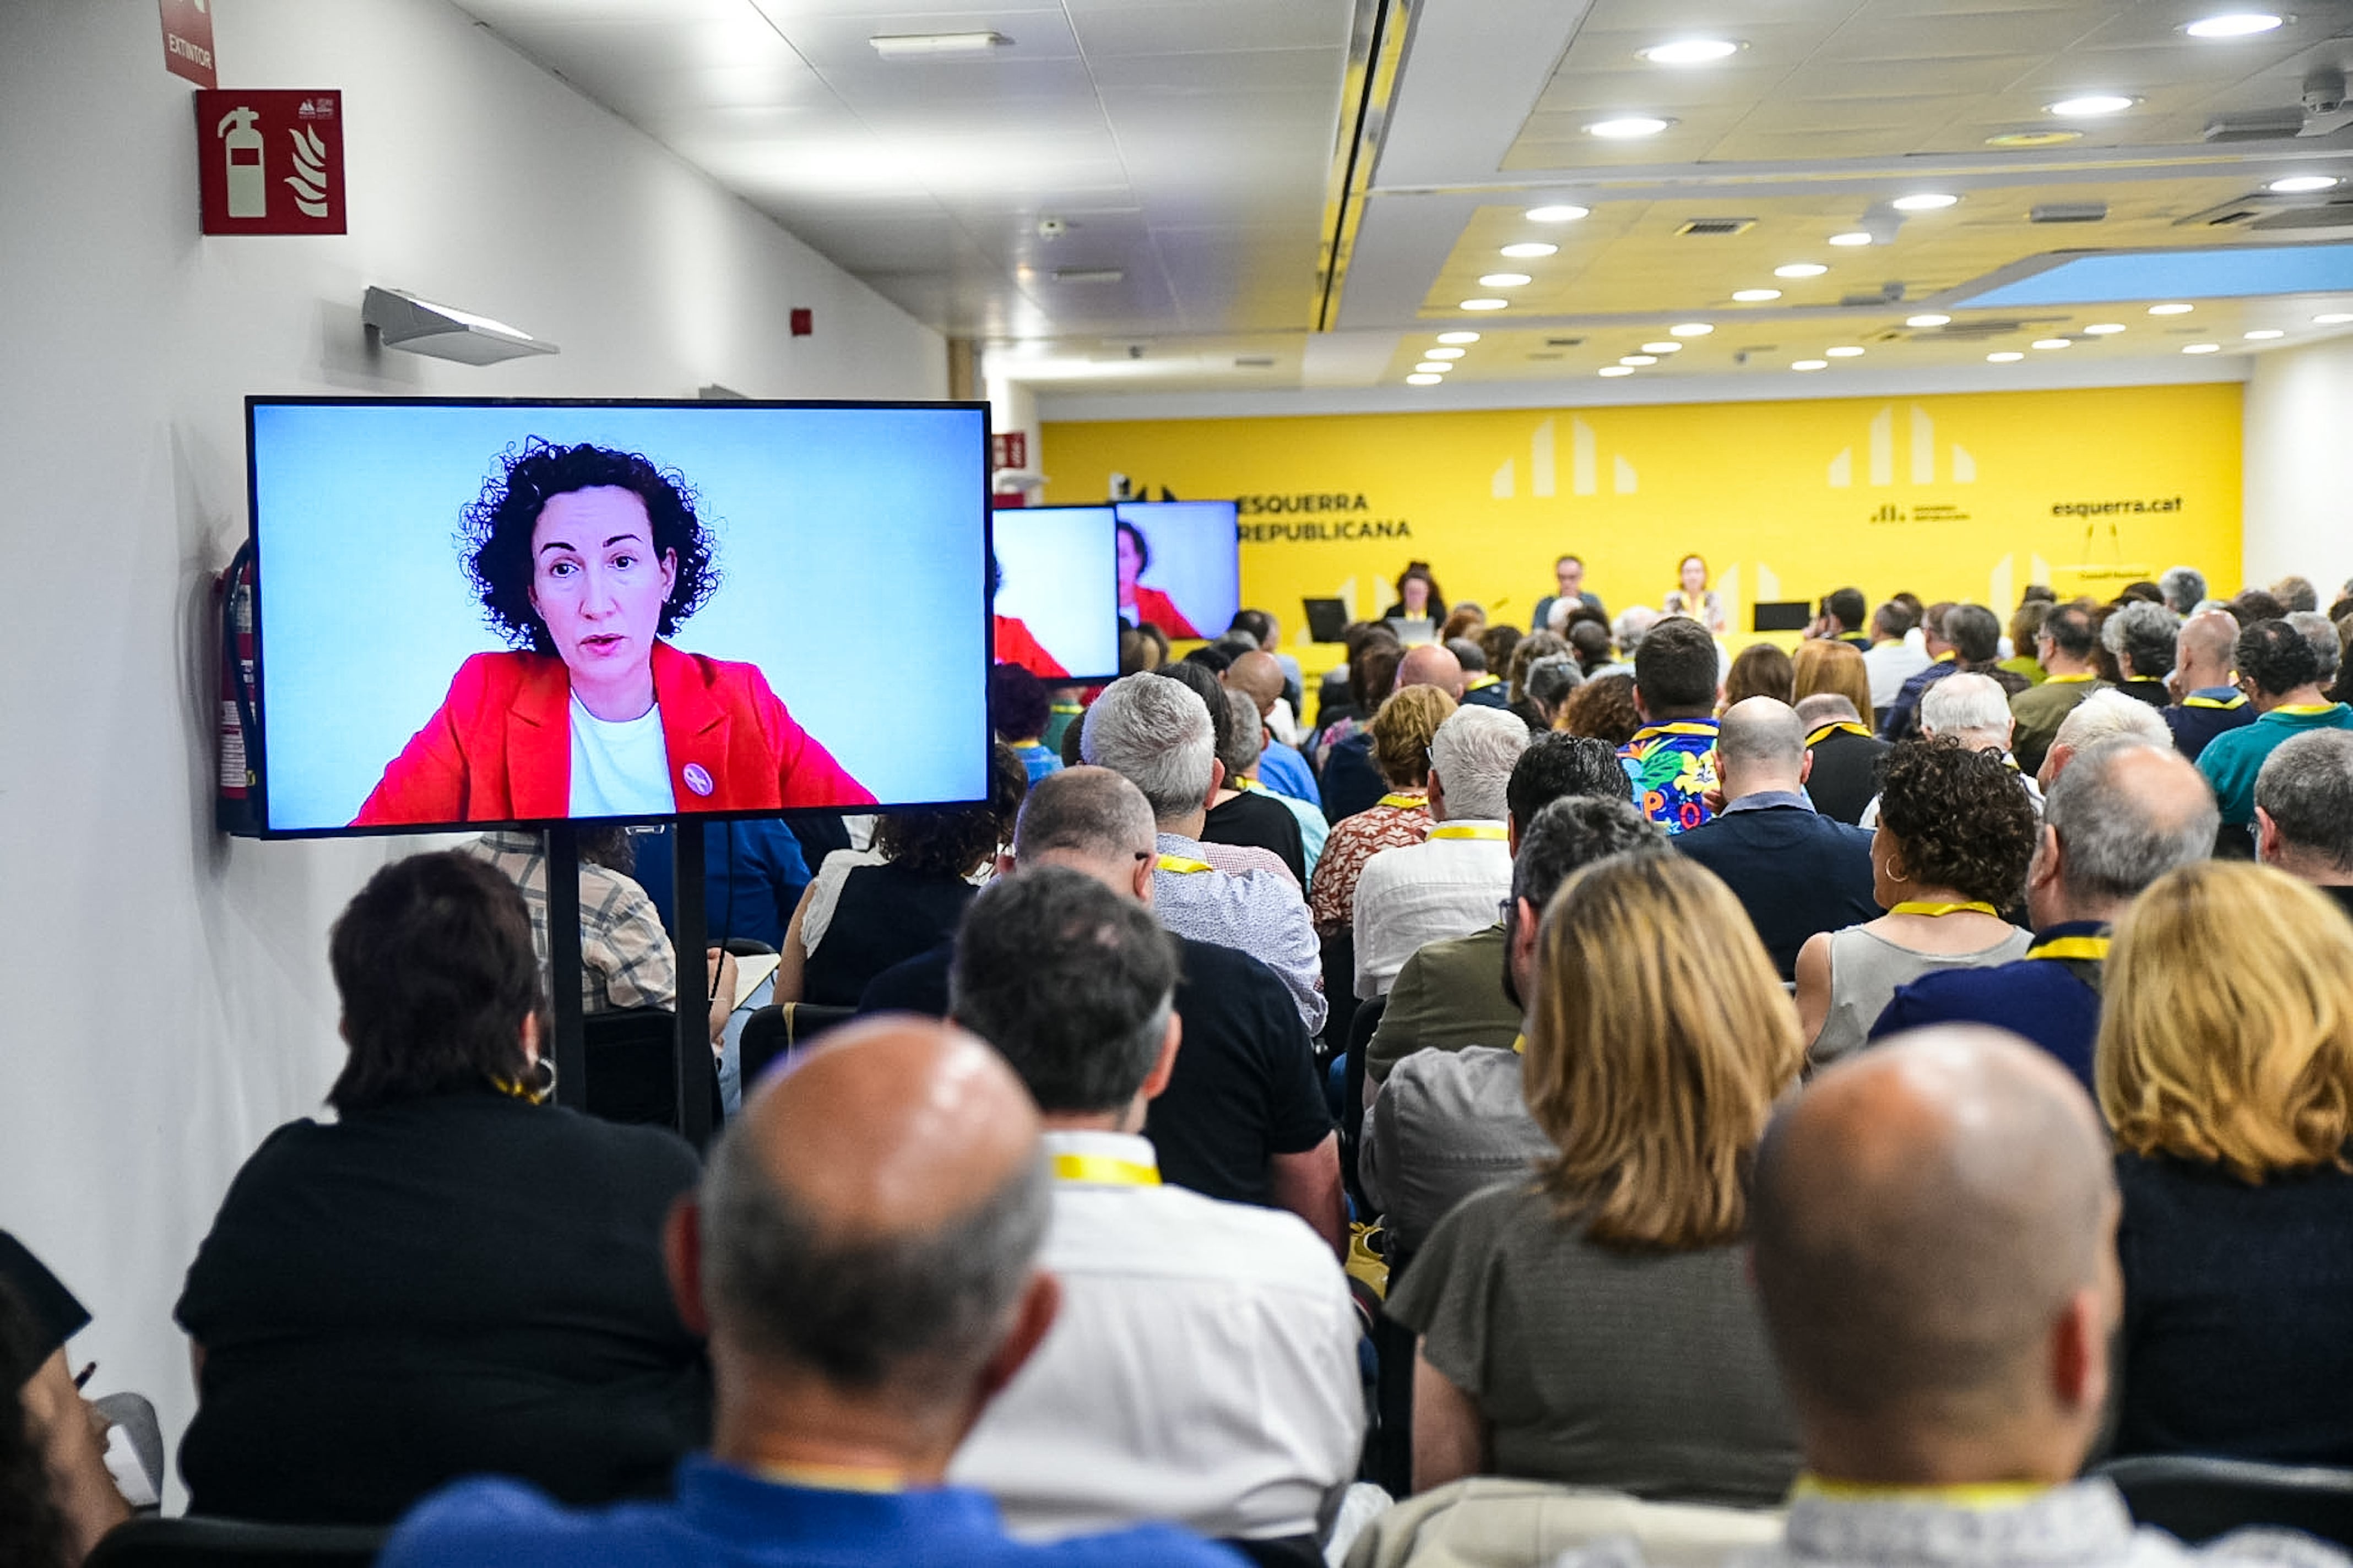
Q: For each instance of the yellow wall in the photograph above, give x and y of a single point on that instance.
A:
(1951, 497)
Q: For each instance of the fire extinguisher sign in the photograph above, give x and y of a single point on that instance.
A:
(271, 162)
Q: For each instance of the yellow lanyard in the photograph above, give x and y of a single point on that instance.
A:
(1519, 1045)
(2237, 700)
(1916, 907)
(1183, 866)
(1947, 657)
(1973, 1495)
(1240, 783)
(1679, 728)
(1405, 802)
(836, 1478)
(1837, 727)
(1481, 682)
(1469, 830)
(1103, 1170)
(2076, 679)
(2092, 947)
(2306, 710)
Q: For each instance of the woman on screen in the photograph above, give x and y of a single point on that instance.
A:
(1013, 640)
(1138, 605)
(586, 558)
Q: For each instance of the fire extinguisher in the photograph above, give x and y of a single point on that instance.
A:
(237, 808)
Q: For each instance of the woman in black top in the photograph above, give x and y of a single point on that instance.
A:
(451, 1278)
(875, 916)
(2225, 1068)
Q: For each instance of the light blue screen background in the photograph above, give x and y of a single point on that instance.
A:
(1061, 572)
(836, 532)
(1197, 557)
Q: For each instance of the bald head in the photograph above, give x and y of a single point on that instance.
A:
(1761, 745)
(874, 1214)
(2204, 650)
(1927, 1216)
(1258, 677)
(1090, 820)
(1431, 665)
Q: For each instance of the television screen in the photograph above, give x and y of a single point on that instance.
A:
(509, 611)
(1058, 592)
(1180, 565)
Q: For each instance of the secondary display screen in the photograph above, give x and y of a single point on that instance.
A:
(1058, 591)
(1180, 565)
(505, 611)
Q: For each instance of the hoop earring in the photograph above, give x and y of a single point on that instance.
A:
(543, 1090)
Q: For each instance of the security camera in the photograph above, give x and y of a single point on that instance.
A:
(2324, 92)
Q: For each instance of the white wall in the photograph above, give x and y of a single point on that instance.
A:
(167, 1000)
(2299, 466)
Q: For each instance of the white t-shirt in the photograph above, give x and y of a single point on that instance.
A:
(619, 769)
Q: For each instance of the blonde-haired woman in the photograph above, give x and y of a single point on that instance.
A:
(1402, 730)
(1833, 669)
(2225, 1068)
(1594, 1325)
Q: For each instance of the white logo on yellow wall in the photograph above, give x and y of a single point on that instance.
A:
(1880, 447)
(1584, 465)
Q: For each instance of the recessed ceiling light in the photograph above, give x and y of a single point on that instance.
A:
(2171, 310)
(1664, 346)
(1930, 320)
(1638, 358)
(1528, 250)
(1801, 269)
(2202, 348)
(1445, 354)
(1484, 304)
(2090, 104)
(1844, 350)
(1616, 370)
(1689, 51)
(1925, 202)
(1690, 330)
(1562, 212)
(1504, 280)
(2053, 343)
(1626, 127)
(2004, 356)
(1755, 296)
(2297, 184)
(1419, 379)
(1433, 367)
(2262, 334)
(1458, 337)
(1809, 364)
(2104, 329)
(2332, 318)
(2232, 24)
(901, 45)
(2015, 140)
(1857, 238)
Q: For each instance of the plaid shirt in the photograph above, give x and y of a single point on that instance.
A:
(625, 959)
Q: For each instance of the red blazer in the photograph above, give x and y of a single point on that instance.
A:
(1016, 645)
(1152, 605)
(500, 747)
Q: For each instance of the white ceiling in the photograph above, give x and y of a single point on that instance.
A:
(1197, 147)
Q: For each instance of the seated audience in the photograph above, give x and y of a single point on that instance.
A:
(1350, 782)
(2105, 715)
(1551, 681)
(2025, 622)
(1840, 619)
(1670, 760)
(1530, 649)
(2252, 604)
(1594, 1326)
(1243, 1117)
(864, 1258)
(2280, 674)
(1499, 643)
(1239, 817)
(1950, 853)
(1973, 711)
(450, 1278)
(1480, 684)
(2127, 811)
(2295, 594)
(1019, 709)
(1603, 708)
(2183, 589)
(56, 1498)
(1368, 677)
(2226, 1074)
(1203, 1368)
(1843, 776)
(1282, 769)
(2304, 812)
(868, 910)
(2063, 646)
(1963, 639)
(1457, 992)
(1900, 719)
(1589, 645)
(1893, 657)
(1450, 884)
(2321, 631)
(1761, 669)
(1820, 666)
(755, 870)
(1797, 872)
(1242, 751)
(1448, 1120)
(2207, 699)
(626, 957)
(1628, 631)
(1401, 735)
(2142, 637)
(1157, 734)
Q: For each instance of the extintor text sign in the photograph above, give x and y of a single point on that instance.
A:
(188, 40)
(271, 162)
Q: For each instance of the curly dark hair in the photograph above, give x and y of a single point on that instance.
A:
(954, 843)
(1435, 606)
(495, 531)
(1961, 817)
(1604, 709)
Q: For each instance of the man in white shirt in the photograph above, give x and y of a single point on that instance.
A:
(1203, 1370)
(1452, 883)
(1897, 653)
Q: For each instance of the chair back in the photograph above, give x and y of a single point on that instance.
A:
(235, 1543)
(2198, 1498)
(1359, 1042)
(632, 1065)
(1487, 1521)
(775, 1031)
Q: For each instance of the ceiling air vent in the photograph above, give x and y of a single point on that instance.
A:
(1971, 330)
(1254, 361)
(2070, 212)
(1716, 225)
(1563, 343)
(1088, 274)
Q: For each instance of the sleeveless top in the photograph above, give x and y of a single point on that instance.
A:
(1866, 969)
(885, 914)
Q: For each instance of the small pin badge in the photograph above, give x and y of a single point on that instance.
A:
(698, 778)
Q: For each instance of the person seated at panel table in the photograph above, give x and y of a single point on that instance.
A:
(1012, 639)
(1692, 596)
(1418, 600)
(1138, 605)
(586, 558)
